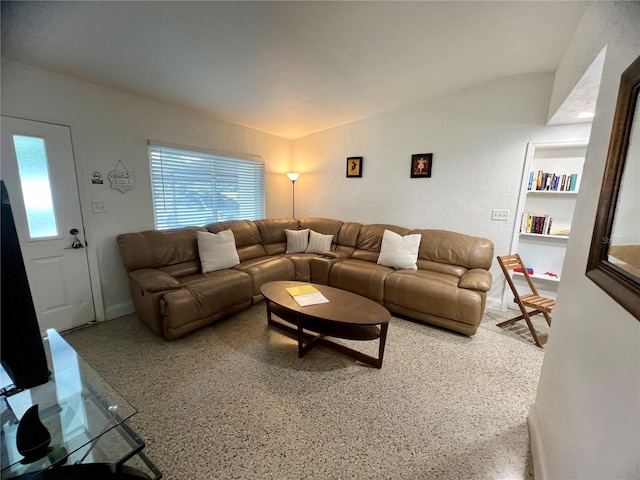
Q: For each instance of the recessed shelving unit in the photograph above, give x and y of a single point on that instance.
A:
(552, 207)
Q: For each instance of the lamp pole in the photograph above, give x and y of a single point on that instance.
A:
(293, 177)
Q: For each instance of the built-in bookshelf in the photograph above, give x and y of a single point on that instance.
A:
(549, 189)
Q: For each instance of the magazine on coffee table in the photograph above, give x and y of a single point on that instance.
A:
(306, 295)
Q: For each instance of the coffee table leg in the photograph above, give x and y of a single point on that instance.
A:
(268, 312)
(383, 340)
(301, 350)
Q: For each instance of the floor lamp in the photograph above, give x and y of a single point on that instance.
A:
(293, 177)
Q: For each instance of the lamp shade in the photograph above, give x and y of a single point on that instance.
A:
(293, 176)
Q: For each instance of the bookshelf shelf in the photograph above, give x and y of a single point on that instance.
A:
(554, 168)
(540, 235)
(572, 193)
(539, 276)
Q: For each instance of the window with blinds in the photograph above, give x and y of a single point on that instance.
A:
(196, 188)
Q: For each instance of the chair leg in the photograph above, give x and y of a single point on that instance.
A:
(539, 340)
(511, 321)
(533, 330)
(547, 318)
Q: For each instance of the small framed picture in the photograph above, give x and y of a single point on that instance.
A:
(354, 167)
(421, 164)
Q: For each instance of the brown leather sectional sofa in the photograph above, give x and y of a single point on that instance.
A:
(172, 295)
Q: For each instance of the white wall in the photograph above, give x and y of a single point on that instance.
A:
(107, 126)
(585, 423)
(478, 138)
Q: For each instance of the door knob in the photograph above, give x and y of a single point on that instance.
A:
(75, 243)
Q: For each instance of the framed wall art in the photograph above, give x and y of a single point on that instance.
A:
(614, 257)
(354, 167)
(421, 165)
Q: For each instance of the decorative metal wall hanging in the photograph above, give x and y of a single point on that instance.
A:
(120, 178)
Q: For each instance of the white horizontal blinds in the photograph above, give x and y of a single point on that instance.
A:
(196, 188)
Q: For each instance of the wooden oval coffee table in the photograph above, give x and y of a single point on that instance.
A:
(346, 315)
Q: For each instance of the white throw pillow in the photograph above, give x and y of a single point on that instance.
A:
(319, 243)
(297, 240)
(217, 250)
(399, 252)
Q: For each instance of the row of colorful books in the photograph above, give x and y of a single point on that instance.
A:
(540, 224)
(539, 180)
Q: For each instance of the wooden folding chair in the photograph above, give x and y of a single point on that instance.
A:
(540, 304)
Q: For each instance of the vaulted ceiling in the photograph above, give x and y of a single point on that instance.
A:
(289, 68)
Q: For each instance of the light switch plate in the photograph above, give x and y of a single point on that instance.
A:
(99, 207)
(500, 215)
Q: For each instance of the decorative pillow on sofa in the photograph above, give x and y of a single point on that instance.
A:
(297, 240)
(217, 250)
(399, 252)
(319, 243)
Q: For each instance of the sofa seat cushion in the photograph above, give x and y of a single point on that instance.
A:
(360, 277)
(434, 293)
(217, 292)
(267, 269)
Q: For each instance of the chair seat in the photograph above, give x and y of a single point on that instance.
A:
(539, 303)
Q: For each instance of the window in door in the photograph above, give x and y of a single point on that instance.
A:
(33, 168)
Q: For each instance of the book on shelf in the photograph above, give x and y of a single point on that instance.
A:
(541, 181)
(519, 270)
(539, 224)
(306, 295)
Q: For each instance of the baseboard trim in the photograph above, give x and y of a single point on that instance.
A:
(537, 450)
(494, 303)
(120, 310)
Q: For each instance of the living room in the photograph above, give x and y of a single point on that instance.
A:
(478, 135)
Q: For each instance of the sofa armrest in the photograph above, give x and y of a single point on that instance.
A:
(152, 280)
(320, 267)
(476, 279)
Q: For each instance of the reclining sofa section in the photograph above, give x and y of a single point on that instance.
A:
(173, 297)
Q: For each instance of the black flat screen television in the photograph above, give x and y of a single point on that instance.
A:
(21, 348)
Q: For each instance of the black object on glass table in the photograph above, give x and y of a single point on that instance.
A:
(32, 438)
(21, 349)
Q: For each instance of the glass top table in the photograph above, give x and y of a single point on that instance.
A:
(76, 405)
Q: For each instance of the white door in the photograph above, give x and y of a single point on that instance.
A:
(39, 172)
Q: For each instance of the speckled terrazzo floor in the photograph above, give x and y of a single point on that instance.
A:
(233, 401)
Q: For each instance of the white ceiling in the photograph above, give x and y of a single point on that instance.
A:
(289, 68)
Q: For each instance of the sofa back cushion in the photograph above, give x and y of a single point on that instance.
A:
(325, 226)
(274, 239)
(347, 237)
(370, 240)
(248, 241)
(455, 249)
(177, 248)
